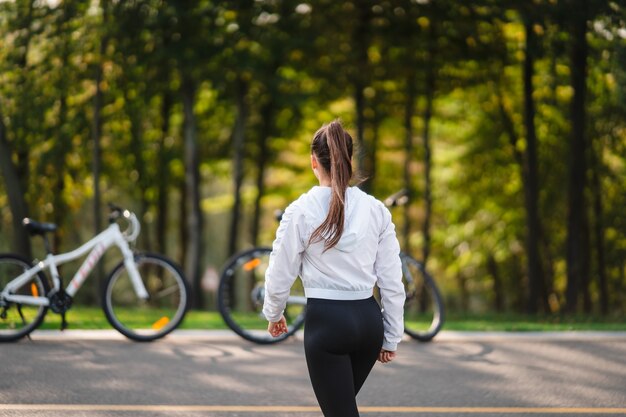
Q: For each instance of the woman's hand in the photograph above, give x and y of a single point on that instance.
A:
(277, 328)
(386, 356)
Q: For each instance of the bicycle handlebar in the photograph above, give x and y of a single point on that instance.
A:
(116, 212)
(134, 227)
(399, 198)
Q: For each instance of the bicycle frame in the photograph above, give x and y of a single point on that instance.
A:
(405, 269)
(296, 299)
(96, 247)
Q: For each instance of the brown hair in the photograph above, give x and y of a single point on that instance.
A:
(332, 146)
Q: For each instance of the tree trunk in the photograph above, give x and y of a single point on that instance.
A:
(165, 155)
(133, 111)
(509, 129)
(359, 102)
(163, 175)
(24, 93)
(428, 111)
(548, 271)
(96, 163)
(409, 112)
(519, 298)
(373, 148)
(577, 222)
(60, 150)
(63, 141)
(96, 135)
(267, 114)
(498, 293)
(238, 158)
(192, 192)
(184, 232)
(598, 230)
(464, 292)
(22, 43)
(17, 203)
(619, 290)
(15, 172)
(586, 266)
(360, 45)
(536, 287)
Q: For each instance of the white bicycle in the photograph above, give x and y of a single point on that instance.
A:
(144, 297)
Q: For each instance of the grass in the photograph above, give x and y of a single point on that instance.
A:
(90, 318)
(78, 317)
(520, 322)
(93, 318)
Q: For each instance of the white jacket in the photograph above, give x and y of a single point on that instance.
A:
(367, 254)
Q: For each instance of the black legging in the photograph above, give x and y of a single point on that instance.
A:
(342, 340)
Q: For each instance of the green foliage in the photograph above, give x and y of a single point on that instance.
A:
(302, 65)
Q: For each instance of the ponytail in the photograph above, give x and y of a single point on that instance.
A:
(332, 146)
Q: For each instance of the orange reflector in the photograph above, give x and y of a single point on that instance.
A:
(250, 265)
(34, 290)
(160, 323)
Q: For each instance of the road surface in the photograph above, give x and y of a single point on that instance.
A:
(217, 374)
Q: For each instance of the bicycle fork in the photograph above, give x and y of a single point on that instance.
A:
(133, 272)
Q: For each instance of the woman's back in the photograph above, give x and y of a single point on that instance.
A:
(350, 265)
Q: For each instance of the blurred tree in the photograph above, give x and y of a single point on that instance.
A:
(198, 117)
(96, 131)
(18, 23)
(578, 222)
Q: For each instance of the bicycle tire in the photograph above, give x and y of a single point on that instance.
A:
(241, 307)
(31, 317)
(424, 312)
(151, 319)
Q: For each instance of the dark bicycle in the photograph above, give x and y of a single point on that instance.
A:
(241, 293)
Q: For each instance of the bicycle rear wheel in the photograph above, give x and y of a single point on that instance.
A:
(19, 319)
(241, 293)
(423, 308)
(153, 318)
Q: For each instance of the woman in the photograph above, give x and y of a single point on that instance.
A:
(342, 242)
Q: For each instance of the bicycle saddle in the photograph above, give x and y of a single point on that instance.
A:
(36, 228)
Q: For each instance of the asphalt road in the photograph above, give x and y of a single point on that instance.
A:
(217, 374)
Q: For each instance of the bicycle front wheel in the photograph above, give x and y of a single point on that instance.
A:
(17, 319)
(241, 294)
(423, 308)
(159, 314)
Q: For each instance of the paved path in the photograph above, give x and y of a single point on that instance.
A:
(217, 374)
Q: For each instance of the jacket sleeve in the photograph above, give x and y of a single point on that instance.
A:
(285, 263)
(388, 269)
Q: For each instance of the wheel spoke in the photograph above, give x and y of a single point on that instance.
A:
(168, 291)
